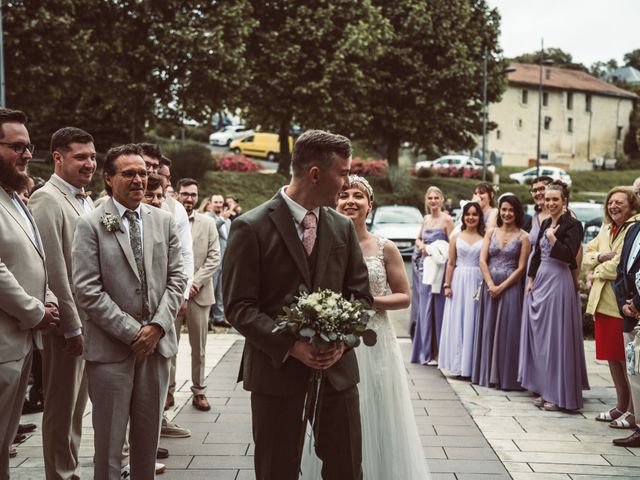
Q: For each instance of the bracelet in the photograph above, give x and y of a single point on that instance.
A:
(446, 285)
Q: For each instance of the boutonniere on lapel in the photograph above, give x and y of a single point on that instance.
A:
(111, 222)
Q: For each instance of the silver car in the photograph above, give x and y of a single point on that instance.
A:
(399, 223)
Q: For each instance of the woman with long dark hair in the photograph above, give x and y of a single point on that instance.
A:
(503, 262)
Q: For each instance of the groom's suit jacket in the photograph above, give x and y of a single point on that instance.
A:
(23, 281)
(108, 288)
(264, 266)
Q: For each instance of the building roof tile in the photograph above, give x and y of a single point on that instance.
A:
(564, 79)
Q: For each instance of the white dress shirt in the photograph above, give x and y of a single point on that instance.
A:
(125, 222)
(298, 212)
(86, 207)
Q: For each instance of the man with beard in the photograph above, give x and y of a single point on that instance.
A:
(216, 316)
(206, 258)
(27, 304)
(56, 207)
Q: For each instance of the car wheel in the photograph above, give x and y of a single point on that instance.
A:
(272, 157)
(237, 151)
(228, 142)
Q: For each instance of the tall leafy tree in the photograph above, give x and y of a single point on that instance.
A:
(428, 83)
(559, 57)
(305, 58)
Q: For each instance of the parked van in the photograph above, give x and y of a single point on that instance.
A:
(262, 145)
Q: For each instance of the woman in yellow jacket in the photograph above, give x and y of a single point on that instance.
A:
(602, 255)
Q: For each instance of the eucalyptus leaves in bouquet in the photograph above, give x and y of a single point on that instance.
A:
(325, 318)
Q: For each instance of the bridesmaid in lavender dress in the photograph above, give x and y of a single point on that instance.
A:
(437, 225)
(503, 262)
(552, 359)
(538, 187)
(462, 280)
(485, 194)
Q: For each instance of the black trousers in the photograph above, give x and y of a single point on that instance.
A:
(277, 425)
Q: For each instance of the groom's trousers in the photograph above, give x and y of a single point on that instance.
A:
(277, 426)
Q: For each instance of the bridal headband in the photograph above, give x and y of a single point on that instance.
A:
(362, 183)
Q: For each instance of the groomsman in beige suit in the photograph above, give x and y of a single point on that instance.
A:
(206, 259)
(26, 304)
(128, 275)
(56, 207)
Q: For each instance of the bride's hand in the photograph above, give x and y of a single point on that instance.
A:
(447, 291)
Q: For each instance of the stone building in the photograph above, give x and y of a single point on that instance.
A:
(583, 117)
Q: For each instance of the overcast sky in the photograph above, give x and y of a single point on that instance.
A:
(590, 30)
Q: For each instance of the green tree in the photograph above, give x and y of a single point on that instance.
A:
(428, 83)
(632, 59)
(559, 57)
(305, 59)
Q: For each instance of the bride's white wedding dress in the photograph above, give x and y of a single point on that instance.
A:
(391, 447)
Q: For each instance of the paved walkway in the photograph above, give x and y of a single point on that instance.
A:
(467, 432)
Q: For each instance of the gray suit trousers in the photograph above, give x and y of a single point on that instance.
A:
(65, 393)
(132, 391)
(14, 376)
(197, 318)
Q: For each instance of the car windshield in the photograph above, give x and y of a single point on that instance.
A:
(398, 215)
(587, 213)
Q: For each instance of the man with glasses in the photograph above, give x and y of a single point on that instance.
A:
(206, 253)
(27, 305)
(56, 207)
(129, 279)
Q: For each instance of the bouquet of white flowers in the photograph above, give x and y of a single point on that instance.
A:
(325, 318)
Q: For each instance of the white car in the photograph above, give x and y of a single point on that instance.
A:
(399, 223)
(526, 176)
(458, 161)
(228, 134)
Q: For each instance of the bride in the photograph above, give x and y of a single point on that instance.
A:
(391, 446)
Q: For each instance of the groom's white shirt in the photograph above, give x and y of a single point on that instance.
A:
(297, 211)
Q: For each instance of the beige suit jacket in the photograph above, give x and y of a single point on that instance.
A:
(108, 287)
(206, 257)
(55, 211)
(23, 282)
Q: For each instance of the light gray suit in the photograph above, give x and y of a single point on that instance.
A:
(123, 385)
(55, 210)
(206, 259)
(23, 294)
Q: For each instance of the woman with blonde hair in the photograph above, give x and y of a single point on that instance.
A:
(436, 228)
(602, 256)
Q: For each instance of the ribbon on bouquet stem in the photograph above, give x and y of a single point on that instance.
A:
(311, 411)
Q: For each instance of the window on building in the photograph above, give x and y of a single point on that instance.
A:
(619, 133)
(525, 96)
(545, 99)
(570, 125)
(569, 100)
(519, 123)
(498, 134)
(587, 105)
(547, 123)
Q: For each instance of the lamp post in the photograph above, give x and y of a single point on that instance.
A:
(2, 101)
(542, 62)
(484, 110)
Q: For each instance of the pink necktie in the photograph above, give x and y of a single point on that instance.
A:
(310, 226)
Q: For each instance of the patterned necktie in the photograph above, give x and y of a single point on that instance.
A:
(310, 226)
(136, 245)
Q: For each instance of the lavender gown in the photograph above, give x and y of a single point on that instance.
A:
(533, 236)
(430, 310)
(460, 311)
(552, 359)
(498, 328)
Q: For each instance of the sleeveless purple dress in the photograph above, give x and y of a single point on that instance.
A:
(499, 319)
(552, 359)
(533, 237)
(461, 311)
(430, 309)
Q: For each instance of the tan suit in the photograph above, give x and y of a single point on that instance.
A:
(55, 210)
(123, 385)
(24, 292)
(206, 259)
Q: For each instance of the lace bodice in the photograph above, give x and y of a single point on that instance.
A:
(377, 270)
(505, 258)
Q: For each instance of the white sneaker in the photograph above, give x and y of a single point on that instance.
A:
(160, 468)
(125, 473)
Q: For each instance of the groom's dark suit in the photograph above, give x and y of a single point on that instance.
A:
(264, 264)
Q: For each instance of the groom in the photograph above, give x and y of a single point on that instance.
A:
(289, 241)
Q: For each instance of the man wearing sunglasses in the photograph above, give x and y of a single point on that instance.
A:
(27, 304)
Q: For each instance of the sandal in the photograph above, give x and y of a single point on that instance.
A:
(539, 402)
(550, 407)
(623, 422)
(610, 415)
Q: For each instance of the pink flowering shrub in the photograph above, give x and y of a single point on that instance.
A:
(235, 163)
(368, 167)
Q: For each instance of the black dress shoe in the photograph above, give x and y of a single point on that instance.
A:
(26, 428)
(162, 453)
(632, 440)
(32, 407)
(19, 438)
